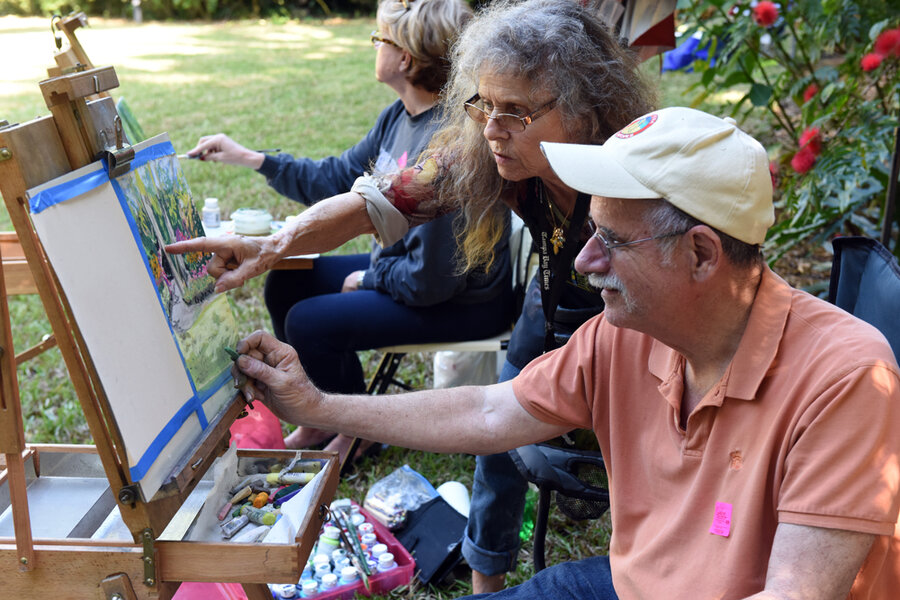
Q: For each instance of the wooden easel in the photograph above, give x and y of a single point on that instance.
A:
(32, 153)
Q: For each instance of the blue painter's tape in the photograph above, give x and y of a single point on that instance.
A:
(68, 190)
(193, 405)
(161, 440)
(153, 152)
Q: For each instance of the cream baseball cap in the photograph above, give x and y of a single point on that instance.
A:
(704, 165)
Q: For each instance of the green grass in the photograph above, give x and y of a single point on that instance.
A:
(307, 88)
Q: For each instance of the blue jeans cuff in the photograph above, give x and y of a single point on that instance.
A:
(488, 562)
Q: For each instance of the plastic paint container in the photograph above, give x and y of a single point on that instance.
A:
(287, 590)
(210, 215)
(322, 570)
(348, 575)
(329, 582)
(251, 221)
(386, 562)
(309, 589)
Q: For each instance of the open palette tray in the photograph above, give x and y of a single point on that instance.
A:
(78, 529)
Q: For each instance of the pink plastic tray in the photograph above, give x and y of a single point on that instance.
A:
(378, 582)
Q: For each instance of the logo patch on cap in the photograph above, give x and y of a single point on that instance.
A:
(637, 126)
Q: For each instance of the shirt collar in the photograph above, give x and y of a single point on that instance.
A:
(757, 348)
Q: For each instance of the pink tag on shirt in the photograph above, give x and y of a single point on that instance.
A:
(401, 162)
(721, 524)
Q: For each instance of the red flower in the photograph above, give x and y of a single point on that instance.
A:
(803, 161)
(870, 62)
(811, 138)
(773, 172)
(810, 91)
(765, 13)
(888, 43)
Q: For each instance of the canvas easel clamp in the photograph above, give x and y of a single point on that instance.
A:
(41, 483)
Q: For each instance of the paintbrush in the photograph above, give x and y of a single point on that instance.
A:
(357, 556)
(264, 151)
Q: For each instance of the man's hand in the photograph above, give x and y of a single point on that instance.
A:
(235, 258)
(223, 149)
(277, 378)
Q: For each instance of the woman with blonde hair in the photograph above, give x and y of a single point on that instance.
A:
(523, 73)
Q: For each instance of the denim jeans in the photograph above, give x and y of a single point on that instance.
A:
(491, 543)
(327, 327)
(588, 579)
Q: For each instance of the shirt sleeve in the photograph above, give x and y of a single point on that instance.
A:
(403, 199)
(559, 387)
(842, 469)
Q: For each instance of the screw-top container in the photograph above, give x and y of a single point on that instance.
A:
(322, 569)
(386, 562)
(348, 575)
(329, 582)
(210, 215)
(287, 590)
(309, 589)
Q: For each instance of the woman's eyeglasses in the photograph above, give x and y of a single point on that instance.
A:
(378, 39)
(477, 111)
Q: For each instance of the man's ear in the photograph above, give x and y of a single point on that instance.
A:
(706, 254)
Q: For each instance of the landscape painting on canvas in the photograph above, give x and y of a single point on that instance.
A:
(159, 201)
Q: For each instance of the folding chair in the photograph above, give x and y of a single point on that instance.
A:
(865, 281)
(577, 475)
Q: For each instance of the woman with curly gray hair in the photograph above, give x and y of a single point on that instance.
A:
(523, 73)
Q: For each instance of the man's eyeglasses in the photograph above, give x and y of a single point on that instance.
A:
(477, 111)
(378, 39)
(611, 244)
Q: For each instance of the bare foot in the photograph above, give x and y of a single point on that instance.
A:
(486, 584)
(306, 437)
(341, 445)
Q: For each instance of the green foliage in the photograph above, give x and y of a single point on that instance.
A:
(831, 120)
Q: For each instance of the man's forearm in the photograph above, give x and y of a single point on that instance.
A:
(477, 420)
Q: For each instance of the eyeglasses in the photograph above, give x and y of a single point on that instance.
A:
(476, 110)
(378, 39)
(610, 245)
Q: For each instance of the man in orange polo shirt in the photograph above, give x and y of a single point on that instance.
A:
(751, 432)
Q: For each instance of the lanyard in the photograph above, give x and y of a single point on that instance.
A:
(554, 269)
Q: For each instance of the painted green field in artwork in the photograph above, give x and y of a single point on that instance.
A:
(203, 344)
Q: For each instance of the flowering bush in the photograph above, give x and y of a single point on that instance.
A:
(823, 76)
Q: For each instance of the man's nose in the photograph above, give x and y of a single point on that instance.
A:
(593, 258)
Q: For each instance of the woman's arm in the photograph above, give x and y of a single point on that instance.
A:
(322, 227)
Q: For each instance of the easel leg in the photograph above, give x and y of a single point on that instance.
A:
(15, 469)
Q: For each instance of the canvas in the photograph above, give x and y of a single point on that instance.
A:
(154, 328)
